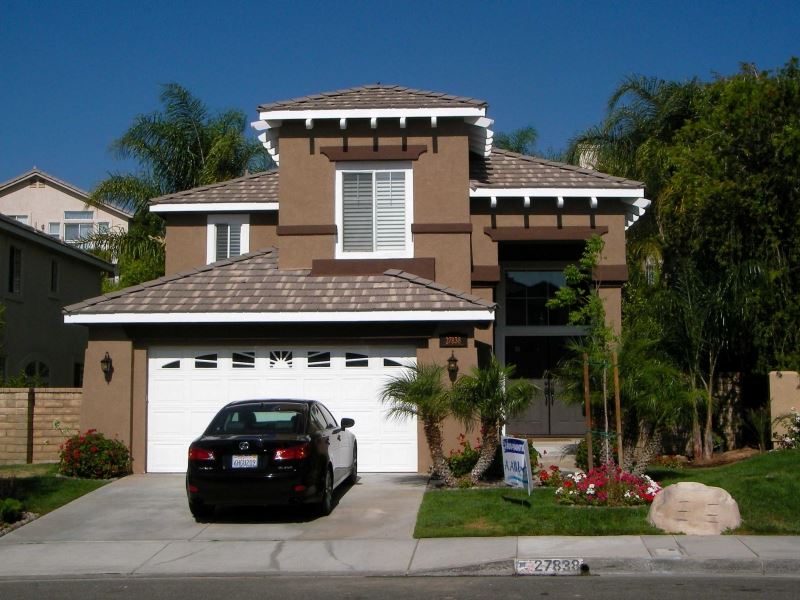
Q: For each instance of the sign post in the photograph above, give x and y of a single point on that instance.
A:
(517, 463)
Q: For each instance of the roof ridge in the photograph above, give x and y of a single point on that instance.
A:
(169, 278)
(218, 184)
(433, 285)
(562, 165)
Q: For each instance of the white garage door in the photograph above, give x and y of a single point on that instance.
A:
(187, 386)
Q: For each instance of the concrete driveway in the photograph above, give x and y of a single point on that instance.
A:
(153, 508)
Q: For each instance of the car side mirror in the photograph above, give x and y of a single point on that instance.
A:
(347, 423)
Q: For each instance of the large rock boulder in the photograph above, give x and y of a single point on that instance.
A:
(694, 509)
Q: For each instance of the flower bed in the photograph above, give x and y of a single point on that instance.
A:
(607, 485)
(791, 439)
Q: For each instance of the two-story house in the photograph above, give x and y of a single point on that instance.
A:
(39, 275)
(57, 208)
(391, 232)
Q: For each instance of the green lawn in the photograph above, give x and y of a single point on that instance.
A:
(41, 489)
(766, 487)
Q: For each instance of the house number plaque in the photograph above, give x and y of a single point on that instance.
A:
(452, 340)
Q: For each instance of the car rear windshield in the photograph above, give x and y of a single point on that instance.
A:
(259, 419)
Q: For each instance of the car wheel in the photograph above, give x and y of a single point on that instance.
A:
(200, 510)
(354, 469)
(326, 505)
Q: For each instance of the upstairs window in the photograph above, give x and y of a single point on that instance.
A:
(20, 218)
(54, 229)
(78, 215)
(374, 207)
(228, 236)
(527, 294)
(75, 232)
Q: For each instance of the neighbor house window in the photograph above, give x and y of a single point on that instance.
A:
(53, 276)
(78, 215)
(75, 232)
(37, 373)
(14, 270)
(54, 229)
(228, 235)
(374, 207)
(21, 218)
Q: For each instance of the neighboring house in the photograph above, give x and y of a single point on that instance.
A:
(40, 275)
(56, 207)
(391, 232)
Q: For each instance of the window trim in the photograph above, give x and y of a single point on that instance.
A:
(372, 167)
(242, 220)
(14, 283)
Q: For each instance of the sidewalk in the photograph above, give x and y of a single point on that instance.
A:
(740, 555)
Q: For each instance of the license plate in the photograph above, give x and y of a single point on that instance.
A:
(244, 461)
(549, 566)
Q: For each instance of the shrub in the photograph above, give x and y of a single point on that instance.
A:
(607, 486)
(551, 477)
(581, 459)
(10, 510)
(92, 456)
(463, 460)
(791, 439)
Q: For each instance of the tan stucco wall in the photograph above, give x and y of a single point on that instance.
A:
(107, 405)
(467, 359)
(34, 326)
(47, 204)
(784, 396)
(307, 194)
(19, 442)
(187, 238)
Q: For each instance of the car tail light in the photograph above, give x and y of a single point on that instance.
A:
(292, 452)
(193, 489)
(196, 453)
(299, 488)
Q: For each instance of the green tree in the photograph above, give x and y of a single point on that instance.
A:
(490, 395)
(181, 146)
(418, 392)
(521, 141)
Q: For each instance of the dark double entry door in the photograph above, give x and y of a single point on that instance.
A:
(548, 415)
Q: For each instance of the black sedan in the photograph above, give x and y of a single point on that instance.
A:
(263, 452)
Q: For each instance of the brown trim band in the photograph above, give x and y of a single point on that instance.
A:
(409, 152)
(306, 229)
(486, 273)
(424, 267)
(441, 228)
(543, 234)
(610, 273)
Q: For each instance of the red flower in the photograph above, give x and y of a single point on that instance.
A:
(554, 467)
(568, 484)
(94, 449)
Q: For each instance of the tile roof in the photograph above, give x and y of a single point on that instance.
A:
(252, 283)
(374, 96)
(256, 187)
(504, 169)
(14, 227)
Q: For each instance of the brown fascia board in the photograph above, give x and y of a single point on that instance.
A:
(486, 273)
(338, 153)
(543, 234)
(306, 229)
(441, 228)
(610, 273)
(423, 267)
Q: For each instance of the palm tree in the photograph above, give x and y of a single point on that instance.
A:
(419, 392)
(177, 148)
(490, 396)
(644, 114)
(520, 140)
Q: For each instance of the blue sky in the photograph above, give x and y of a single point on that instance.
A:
(74, 74)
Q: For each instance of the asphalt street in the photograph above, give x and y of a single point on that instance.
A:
(408, 588)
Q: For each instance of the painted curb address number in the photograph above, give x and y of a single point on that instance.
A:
(549, 566)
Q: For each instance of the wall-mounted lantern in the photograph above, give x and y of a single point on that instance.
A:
(452, 366)
(107, 366)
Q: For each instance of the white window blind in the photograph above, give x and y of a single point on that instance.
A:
(373, 211)
(390, 210)
(357, 207)
(229, 240)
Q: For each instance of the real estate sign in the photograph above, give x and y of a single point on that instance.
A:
(517, 463)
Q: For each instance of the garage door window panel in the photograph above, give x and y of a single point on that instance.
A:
(319, 360)
(280, 359)
(353, 359)
(244, 360)
(206, 361)
(173, 364)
